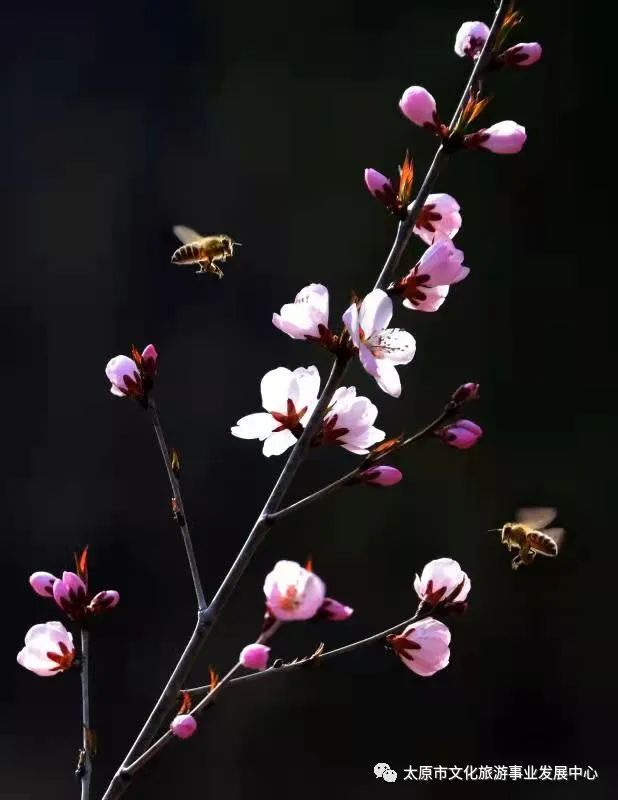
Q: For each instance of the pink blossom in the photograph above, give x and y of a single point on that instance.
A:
(461, 434)
(307, 316)
(103, 601)
(377, 183)
(49, 649)
(293, 592)
(503, 138)
(442, 581)
(183, 726)
(471, 38)
(70, 594)
(381, 476)
(254, 656)
(289, 399)
(423, 646)
(133, 377)
(333, 610)
(524, 54)
(426, 286)
(43, 583)
(380, 348)
(349, 422)
(439, 218)
(419, 106)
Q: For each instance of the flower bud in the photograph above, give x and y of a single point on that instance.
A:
(419, 106)
(465, 393)
(254, 656)
(103, 601)
(292, 592)
(522, 55)
(124, 376)
(461, 434)
(381, 476)
(333, 610)
(48, 650)
(503, 138)
(423, 646)
(442, 581)
(150, 358)
(43, 583)
(377, 183)
(470, 39)
(70, 594)
(183, 726)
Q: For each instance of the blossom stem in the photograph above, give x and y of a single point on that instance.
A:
(421, 612)
(353, 476)
(178, 505)
(85, 769)
(406, 226)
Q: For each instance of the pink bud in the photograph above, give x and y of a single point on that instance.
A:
(442, 581)
(470, 39)
(465, 393)
(376, 182)
(522, 55)
(124, 376)
(183, 726)
(419, 106)
(103, 601)
(43, 583)
(334, 611)
(423, 646)
(381, 476)
(461, 434)
(70, 594)
(149, 360)
(292, 592)
(503, 138)
(48, 649)
(254, 656)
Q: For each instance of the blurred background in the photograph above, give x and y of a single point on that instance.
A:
(257, 120)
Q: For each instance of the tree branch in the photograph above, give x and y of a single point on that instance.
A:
(85, 767)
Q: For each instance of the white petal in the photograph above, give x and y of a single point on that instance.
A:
(350, 320)
(255, 426)
(296, 321)
(307, 389)
(375, 312)
(397, 345)
(368, 360)
(315, 296)
(278, 443)
(275, 389)
(388, 378)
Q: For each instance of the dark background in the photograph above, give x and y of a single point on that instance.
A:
(121, 119)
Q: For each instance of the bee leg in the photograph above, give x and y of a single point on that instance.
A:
(204, 266)
(516, 562)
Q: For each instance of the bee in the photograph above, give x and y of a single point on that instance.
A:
(530, 536)
(203, 250)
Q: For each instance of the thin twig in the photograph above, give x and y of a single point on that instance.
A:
(85, 768)
(353, 477)
(207, 618)
(421, 612)
(178, 505)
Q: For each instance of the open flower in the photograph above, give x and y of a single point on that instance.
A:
(461, 434)
(470, 39)
(442, 581)
(289, 399)
(349, 422)
(133, 377)
(503, 138)
(439, 218)
(426, 286)
(423, 646)
(49, 649)
(307, 316)
(293, 592)
(380, 348)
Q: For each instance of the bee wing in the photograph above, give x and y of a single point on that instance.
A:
(186, 235)
(547, 542)
(536, 517)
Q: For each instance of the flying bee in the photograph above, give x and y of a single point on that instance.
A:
(203, 250)
(530, 536)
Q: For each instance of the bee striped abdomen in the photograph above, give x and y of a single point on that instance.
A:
(188, 254)
(542, 543)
